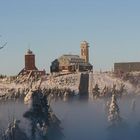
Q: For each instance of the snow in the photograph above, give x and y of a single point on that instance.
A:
(70, 81)
(107, 79)
(114, 113)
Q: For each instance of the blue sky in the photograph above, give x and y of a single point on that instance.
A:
(54, 27)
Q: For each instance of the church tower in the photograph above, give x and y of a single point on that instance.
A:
(30, 61)
(85, 51)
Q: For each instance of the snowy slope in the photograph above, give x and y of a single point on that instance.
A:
(107, 79)
(71, 81)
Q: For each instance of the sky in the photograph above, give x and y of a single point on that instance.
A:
(51, 28)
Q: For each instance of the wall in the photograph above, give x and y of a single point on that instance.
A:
(127, 67)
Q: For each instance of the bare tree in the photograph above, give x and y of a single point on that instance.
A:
(3, 45)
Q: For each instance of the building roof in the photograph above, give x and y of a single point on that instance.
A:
(71, 56)
(72, 59)
(85, 43)
(126, 63)
(29, 51)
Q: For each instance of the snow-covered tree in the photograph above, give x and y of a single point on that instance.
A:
(133, 105)
(14, 132)
(44, 124)
(96, 91)
(114, 113)
(118, 129)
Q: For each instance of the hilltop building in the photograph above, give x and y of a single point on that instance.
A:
(72, 63)
(30, 61)
(120, 68)
(85, 51)
(30, 68)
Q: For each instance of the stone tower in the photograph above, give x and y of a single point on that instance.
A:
(85, 51)
(30, 61)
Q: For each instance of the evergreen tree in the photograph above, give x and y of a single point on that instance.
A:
(118, 129)
(114, 113)
(44, 124)
(14, 132)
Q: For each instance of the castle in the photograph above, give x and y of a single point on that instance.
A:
(72, 63)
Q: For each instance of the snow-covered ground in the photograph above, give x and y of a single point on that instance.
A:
(107, 79)
(71, 81)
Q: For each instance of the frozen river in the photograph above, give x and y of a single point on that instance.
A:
(80, 119)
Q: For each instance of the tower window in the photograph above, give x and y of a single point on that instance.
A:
(83, 52)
